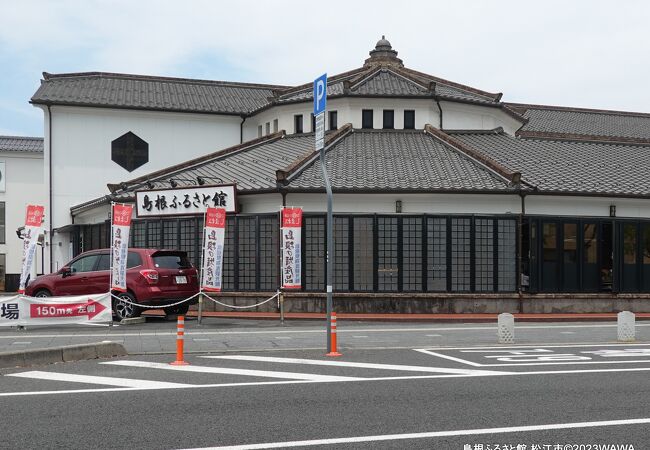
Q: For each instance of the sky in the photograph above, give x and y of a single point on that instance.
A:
(593, 54)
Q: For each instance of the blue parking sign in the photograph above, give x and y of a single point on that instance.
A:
(320, 94)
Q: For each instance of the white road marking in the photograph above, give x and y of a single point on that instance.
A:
(433, 335)
(269, 383)
(318, 362)
(567, 332)
(229, 371)
(282, 337)
(90, 379)
(93, 324)
(518, 347)
(319, 331)
(200, 339)
(433, 434)
(551, 363)
(360, 337)
(21, 343)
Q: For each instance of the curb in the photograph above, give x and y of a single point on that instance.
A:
(35, 357)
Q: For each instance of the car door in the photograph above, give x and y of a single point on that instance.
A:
(75, 282)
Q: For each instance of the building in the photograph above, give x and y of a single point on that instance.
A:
(21, 184)
(445, 197)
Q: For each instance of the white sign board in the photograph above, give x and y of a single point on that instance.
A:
(183, 201)
(320, 131)
(22, 310)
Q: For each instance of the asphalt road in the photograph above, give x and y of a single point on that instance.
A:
(429, 397)
(219, 335)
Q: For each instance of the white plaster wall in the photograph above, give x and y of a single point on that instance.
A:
(411, 203)
(586, 206)
(462, 116)
(81, 148)
(24, 186)
(251, 204)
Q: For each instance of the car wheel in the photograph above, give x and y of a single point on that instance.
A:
(177, 310)
(123, 307)
(41, 293)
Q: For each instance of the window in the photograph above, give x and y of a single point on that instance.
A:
(460, 254)
(132, 260)
(2, 223)
(129, 151)
(436, 254)
(484, 254)
(411, 253)
(389, 119)
(297, 123)
(366, 119)
(275, 125)
(268, 127)
(229, 255)
(84, 264)
(246, 252)
(3, 271)
(363, 251)
(269, 246)
(507, 244)
(341, 257)
(409, 119)
(314, 230)
(313, 123)
(387, 253)
(259, 131)
(333, 120)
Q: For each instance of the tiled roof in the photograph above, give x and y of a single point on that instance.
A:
(388, 83)
(397, 160)
(21, 144)
(251, 166)
(567, 166)
(574, 121)
(154, 93)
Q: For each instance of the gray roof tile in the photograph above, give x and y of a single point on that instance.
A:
(569, 167)
(156, 93)
(388, 83)
(397, 160)
(592, 123)
(21, 144)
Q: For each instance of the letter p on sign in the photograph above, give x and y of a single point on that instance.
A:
(320, 94)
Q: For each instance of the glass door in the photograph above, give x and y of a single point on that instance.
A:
(570, 279)
(630, 242)
(590, 272)
(550, 257)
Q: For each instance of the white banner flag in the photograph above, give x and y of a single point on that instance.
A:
(33, 222)
(23, 310)
(291, 248)
(120, 227)
(213, 242)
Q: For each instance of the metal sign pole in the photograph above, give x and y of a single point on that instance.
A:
(320, 104)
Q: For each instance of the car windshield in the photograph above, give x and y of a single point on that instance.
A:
(171, 261)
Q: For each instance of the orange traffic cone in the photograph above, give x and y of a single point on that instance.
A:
(180, 339)
(334, 351)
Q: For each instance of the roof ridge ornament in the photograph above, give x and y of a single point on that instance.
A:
(383, 55)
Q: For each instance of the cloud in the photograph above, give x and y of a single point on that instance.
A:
(580, 53)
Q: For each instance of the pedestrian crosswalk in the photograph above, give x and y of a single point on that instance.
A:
(224, 370)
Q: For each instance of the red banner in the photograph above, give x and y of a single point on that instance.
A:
(291, 248)
(213, 245)
(120, 228)
(33, 222)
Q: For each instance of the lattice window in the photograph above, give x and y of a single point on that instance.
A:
(247, 252)
(188, 240)
(484, 254)
(387, 257)
(507, 230)
(138, 234)
(153, 234)
(170, 234)
(314, 230)
(363, 253)
(460, 254)
(341, 258)
(269, 247)
(436, 254)
(411, 253)
(229, 255)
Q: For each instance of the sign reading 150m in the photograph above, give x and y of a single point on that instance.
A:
(189, 200)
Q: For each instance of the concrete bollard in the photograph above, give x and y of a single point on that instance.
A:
(506, 328)
(625, 329)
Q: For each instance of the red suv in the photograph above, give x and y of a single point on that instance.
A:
(153, 277)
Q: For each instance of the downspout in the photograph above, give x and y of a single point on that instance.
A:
(241, 129)
(522, 213)
(439, 109)
(49, 126)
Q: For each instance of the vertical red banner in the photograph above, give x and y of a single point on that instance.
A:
(214, 235)
(33, 222)
(120, 229)
(291, 248)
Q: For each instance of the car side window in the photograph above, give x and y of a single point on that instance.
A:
(104, 262)
(84, 264)
(133, 260)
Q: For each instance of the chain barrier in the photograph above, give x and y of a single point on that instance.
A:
(117, 297)
(277, 294)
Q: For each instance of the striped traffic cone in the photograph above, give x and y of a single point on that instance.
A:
(334, 351)
(180, 339)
